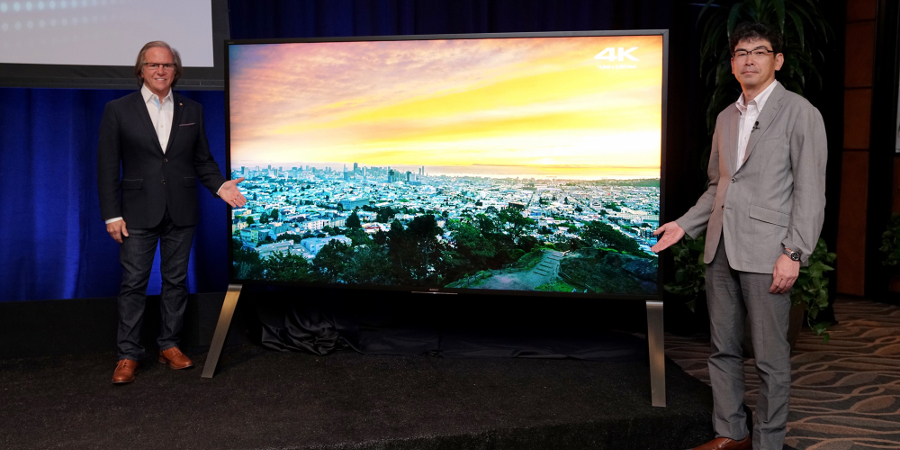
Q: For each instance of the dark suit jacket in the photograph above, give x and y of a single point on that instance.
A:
(776, 199)
(152, 181)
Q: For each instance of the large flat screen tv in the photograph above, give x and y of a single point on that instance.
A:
(496, 163)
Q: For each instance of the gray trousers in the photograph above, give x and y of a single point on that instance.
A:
(732, 297)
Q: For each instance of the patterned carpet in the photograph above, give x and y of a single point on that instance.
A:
(845, 393)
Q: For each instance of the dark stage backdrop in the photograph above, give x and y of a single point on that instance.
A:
(53, 244)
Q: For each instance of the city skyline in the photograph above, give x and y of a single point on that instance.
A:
(481, 170)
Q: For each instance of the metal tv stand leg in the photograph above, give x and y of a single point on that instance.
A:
(218, 341)
(657, 353)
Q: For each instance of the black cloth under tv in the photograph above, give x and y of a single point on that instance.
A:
(473, 326)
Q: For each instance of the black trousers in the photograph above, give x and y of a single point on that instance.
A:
(136, 256)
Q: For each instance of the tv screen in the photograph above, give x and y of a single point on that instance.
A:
(501, 163)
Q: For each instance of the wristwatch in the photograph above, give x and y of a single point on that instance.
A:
(795, 256)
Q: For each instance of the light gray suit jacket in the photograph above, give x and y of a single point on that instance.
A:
(777, 198)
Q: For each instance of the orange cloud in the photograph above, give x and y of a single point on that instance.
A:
(447, 102)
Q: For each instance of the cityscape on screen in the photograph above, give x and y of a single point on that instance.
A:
(514, 164)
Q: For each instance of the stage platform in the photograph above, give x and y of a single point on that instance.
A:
(263, 399)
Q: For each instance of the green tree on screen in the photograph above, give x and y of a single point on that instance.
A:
(353, 221)
(600, 234)
(287, 267)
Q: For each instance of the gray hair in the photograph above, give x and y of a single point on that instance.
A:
(139, 65)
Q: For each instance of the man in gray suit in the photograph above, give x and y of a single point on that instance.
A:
(763, 212)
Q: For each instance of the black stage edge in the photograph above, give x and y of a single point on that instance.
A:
(583, 387)
(88, 325)
(261, 399)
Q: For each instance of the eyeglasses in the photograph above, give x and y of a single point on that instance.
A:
(154, 66)
(756, 53)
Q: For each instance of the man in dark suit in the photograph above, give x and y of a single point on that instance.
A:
(156, 140)
(763, 212)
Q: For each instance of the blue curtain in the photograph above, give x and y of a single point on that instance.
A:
(53, 243)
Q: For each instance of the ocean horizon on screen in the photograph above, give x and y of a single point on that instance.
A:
(514, 164)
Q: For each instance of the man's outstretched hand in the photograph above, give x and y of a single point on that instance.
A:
(671, 233)
(230, 193)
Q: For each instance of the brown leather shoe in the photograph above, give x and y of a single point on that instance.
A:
(125, 370)
(175, 359)
(724, 443)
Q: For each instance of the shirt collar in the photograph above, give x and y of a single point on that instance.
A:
(760, 99)
(145, 92)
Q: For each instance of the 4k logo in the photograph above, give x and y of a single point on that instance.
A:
(616, 54)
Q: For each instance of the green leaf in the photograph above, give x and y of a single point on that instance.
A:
(788, 68)
(712, 42)
(703, 10)
(779, 13)
(732, 19)
(798, 25)
(754, 12)
(820, 327)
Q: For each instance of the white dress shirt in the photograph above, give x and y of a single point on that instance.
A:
(749, 115)
(162, 112)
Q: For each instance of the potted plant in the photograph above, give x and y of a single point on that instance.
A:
(810, 291)
(690, 271)
(809, 295)
(890, 246)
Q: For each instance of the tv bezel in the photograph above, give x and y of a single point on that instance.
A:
(663, 33)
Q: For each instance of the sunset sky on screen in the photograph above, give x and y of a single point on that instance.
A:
(531, 102)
